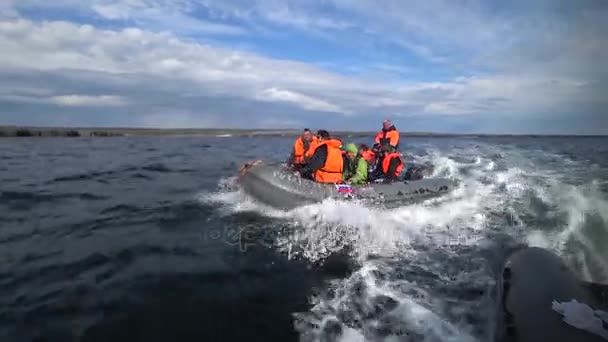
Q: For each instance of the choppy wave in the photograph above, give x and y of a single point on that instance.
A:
(502, 192)
(96, 230)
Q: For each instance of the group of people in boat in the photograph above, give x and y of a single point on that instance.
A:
(326, 160)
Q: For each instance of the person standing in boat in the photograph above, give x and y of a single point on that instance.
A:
(392, 165)
(389, 135)
(303, 144)
(357, 167)
(326, 164)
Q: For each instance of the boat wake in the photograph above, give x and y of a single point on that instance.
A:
(424, 272)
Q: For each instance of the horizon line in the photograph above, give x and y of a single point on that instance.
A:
(278, 131)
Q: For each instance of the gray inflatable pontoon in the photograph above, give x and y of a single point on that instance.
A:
(531, 280)
(283, 189)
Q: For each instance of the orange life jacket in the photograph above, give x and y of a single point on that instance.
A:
(311, 149)
(390, 136)
(331, 172)
(300, 147)
(386, 163)
(368, 155)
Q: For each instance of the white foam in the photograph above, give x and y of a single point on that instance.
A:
(232, 199)
(351, 335)
(375, 235)
(456, 219)
(355, 297)
(575, 206)
(490, 166)
(539, 239)
(333, 225)
(443, 166)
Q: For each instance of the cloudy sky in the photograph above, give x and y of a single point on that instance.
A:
(435, 65)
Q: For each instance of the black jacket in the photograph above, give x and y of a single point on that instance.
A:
(317, 161)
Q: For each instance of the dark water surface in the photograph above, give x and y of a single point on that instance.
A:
(149, 239)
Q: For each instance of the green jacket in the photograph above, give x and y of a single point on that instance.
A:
(357, 171)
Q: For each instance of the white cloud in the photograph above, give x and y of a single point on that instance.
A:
(281, 13)
(164, 67)
(56, 46)
(304, 15)
(306, 102)
(63, 46)
(418, 26)
(545, 38)
(163, 19)
(88, 100)
(42, 96)
(113, 11)
(157, 15)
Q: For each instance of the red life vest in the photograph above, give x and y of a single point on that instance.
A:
(386, 162)
(368, 155)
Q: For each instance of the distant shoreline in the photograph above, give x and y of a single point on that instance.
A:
(75, 132)
(29, 131)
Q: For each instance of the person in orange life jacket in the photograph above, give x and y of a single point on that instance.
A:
(391, 165)
(367, 154)
(311, 149)
(387, 136)
(301, 146)
(371, 159)
(326, 164)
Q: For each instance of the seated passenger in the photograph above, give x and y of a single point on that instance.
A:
(367, 154)
(356, 172)
(302, 145)
(326, 164)
(392, 166)
(311, 149)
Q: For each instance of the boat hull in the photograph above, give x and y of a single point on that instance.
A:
(283, 189)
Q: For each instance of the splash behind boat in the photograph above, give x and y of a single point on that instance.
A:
(283, 189)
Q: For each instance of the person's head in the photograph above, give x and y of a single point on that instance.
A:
(363, 148)
(386, 149)
(386, 124)
(351, 151)
(323, 135)
(307, 134)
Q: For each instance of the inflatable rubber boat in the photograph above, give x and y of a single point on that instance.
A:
(541, 299)
(282, 189)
